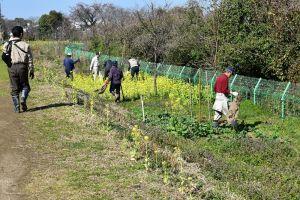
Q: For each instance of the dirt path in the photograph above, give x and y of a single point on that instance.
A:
(13, 156)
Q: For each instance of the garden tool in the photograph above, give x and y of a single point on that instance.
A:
(103, 88)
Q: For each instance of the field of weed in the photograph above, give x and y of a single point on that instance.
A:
(260, 160)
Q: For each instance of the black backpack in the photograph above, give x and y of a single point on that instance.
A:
(6, 56)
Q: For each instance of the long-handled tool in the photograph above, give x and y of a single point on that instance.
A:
(102, 89)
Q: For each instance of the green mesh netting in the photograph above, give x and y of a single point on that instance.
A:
(279, 97)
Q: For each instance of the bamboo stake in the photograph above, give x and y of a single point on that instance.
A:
(191, 98)
(143, 109)
(199, 89)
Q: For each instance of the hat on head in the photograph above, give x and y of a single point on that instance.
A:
(115, 63)
(69, 53)
(230, 69)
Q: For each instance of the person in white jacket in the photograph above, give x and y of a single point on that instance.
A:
(134, 67)
(94, 67)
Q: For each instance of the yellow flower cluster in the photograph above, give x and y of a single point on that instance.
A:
(178, 93)
(86, 83)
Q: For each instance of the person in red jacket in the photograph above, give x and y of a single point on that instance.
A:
(222, 91)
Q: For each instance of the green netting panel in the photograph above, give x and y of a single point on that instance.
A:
(269, 94)
(266, 93)
(79, 46)
(207, 77)
(245, 86)
(175, 71)
(162, 69)
(188, 73)
(146, 67)
(293, 100)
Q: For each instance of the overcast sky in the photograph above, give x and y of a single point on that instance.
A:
(35, 8)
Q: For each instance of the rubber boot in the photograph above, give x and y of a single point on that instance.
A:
(24, 97)
(117, 96)
(16, 104)
(215, 124)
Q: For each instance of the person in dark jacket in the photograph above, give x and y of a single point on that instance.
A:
(69, 64)
(107, 67)
(115, 77)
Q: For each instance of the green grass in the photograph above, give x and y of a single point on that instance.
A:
(3, 71)
(4, 79)
(260, 162)
(79, 159)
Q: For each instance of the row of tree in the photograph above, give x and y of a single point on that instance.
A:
(260, 38)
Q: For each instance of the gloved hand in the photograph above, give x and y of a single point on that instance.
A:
(234, 93)
(31, 73)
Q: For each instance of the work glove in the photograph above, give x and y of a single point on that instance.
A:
(31, 73)
(234, 93)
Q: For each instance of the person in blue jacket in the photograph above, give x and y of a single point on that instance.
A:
(69, 64)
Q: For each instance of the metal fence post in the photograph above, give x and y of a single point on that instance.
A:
(169, 70)
(255, 90)
(212, 82)
(233, 80)
(158, 66)
(283, 98)
(182, 71)
(196, 76)
(206, 78)
(147, 68)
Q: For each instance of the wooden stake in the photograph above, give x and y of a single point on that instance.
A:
(191, 98)
(199, 89)
(143, 109)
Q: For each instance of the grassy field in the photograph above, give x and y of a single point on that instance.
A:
(83, 158)
(76, 156)
(260, 161)
(3, 77)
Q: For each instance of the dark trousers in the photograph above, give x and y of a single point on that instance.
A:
(115, 90)
(135, 71)
(69, 74)
(18, 75)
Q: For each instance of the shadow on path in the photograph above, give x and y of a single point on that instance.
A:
(55, 105)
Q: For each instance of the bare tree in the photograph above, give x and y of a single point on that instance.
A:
(86, 16)
(156, 24)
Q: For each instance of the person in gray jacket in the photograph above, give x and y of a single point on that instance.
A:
(21, 66)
